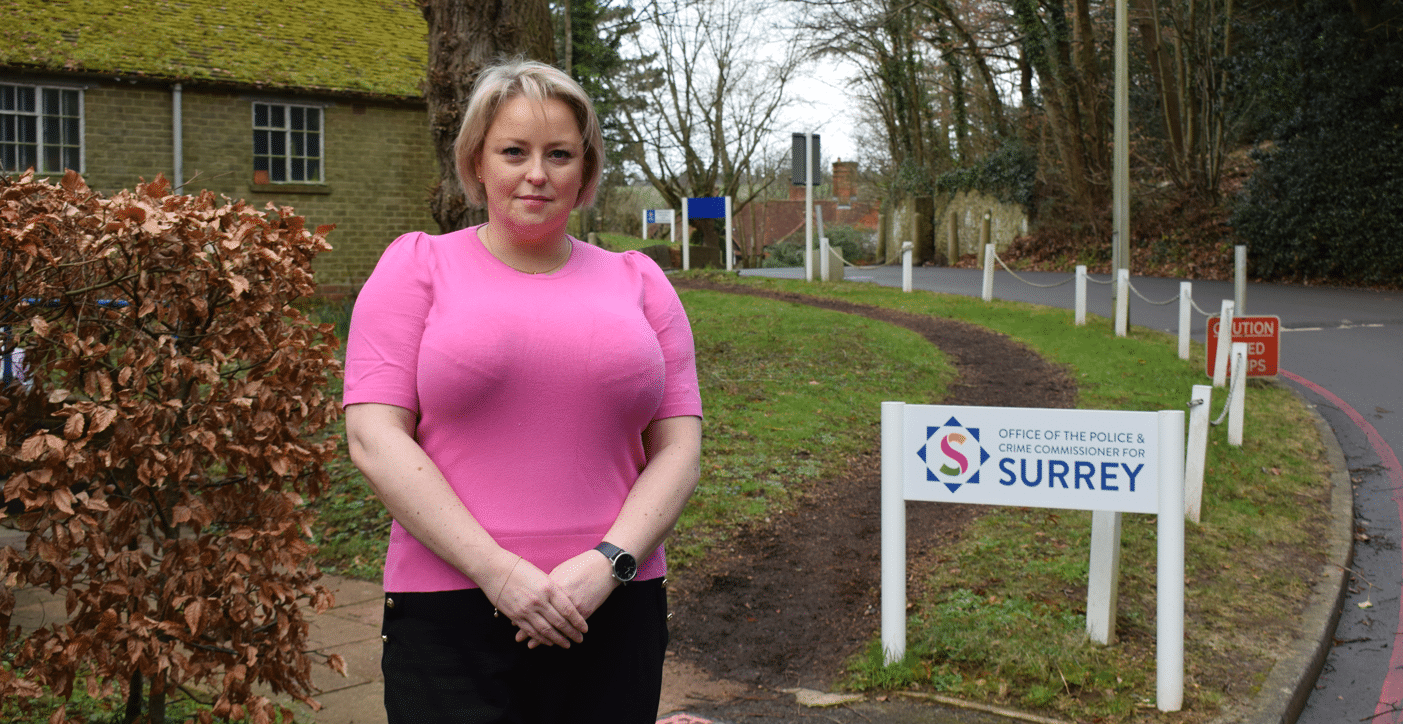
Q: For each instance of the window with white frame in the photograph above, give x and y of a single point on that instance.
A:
(40, 128)
(287, 144)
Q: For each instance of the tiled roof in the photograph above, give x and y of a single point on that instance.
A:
(372, 47)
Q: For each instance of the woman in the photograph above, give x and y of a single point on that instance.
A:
(526, 407)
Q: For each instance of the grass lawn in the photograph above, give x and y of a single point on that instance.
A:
(624, 242)
(1001, 617)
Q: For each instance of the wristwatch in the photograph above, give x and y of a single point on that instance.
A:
(625, 565)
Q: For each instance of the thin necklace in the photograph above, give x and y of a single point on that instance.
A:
(492, 249)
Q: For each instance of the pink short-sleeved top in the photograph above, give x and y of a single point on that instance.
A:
(532, 391)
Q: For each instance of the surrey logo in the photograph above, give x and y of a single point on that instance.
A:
(952, 454)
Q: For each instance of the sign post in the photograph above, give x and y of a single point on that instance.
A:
(893, 603)
(1098, 460)
(1169, 565)
(728, 251)
(804, 152)
(1103, 577)
(706, 207)
(1218, 366)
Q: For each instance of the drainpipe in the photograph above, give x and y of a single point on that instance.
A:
(177, 141)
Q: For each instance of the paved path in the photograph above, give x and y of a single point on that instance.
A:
(351, 628)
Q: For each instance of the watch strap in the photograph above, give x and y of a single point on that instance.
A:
(609, 550)
(617, 556)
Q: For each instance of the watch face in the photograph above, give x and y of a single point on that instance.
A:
(625, 567)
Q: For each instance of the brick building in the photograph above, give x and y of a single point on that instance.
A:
(762, 223)
(306, 103)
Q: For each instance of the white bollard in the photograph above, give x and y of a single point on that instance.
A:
(1200, 410)
(893, 535)
(1169, 568)
(1103, 577)
(989, 272)
(1186, 302)
(1220, 357)
(1081, 295)
(906, 249)
(1240, 280)
(835, 265)
(1122, 302)
(823, 269)
(1237, 401)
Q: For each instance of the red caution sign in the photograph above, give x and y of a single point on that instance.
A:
(1263, 337)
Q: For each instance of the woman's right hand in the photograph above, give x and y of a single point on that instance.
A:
(538, 607)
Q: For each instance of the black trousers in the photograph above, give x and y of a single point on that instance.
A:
(448, 660)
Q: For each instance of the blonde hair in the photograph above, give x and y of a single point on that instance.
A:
(537, 82)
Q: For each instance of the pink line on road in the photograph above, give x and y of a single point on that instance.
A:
(1392, 694)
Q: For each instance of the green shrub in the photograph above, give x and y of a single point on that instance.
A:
(853, 243)
(1009, 174)
(1326, 202)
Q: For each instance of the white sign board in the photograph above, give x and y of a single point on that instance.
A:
(660, 216)
(1033, 457)
(1106, 461)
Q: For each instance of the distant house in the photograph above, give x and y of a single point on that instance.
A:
(306, 103)
(762, 223)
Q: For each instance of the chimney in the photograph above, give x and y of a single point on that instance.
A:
(844, 178)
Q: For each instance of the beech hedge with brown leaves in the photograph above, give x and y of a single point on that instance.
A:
(159, 451)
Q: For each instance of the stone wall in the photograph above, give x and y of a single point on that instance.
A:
(927, 222)
(379, 163)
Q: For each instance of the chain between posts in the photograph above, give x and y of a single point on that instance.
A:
(1170, 300)
(1093, 280)
(1200, 309)
(1025, 281)
(1227, 402)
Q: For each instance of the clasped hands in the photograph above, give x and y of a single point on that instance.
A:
(550, 609)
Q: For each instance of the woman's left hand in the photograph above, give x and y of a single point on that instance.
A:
(587, 579)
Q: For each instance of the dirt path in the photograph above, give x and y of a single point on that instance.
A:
(788, 602)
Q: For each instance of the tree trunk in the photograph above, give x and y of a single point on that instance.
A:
(981, 65)
(1049, 54)
(1091, 180)
(568, 62)
(464, 37)
(133, 699)
(156, 702)
(1025, 88)
(1089, 88)
(1166, 82)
